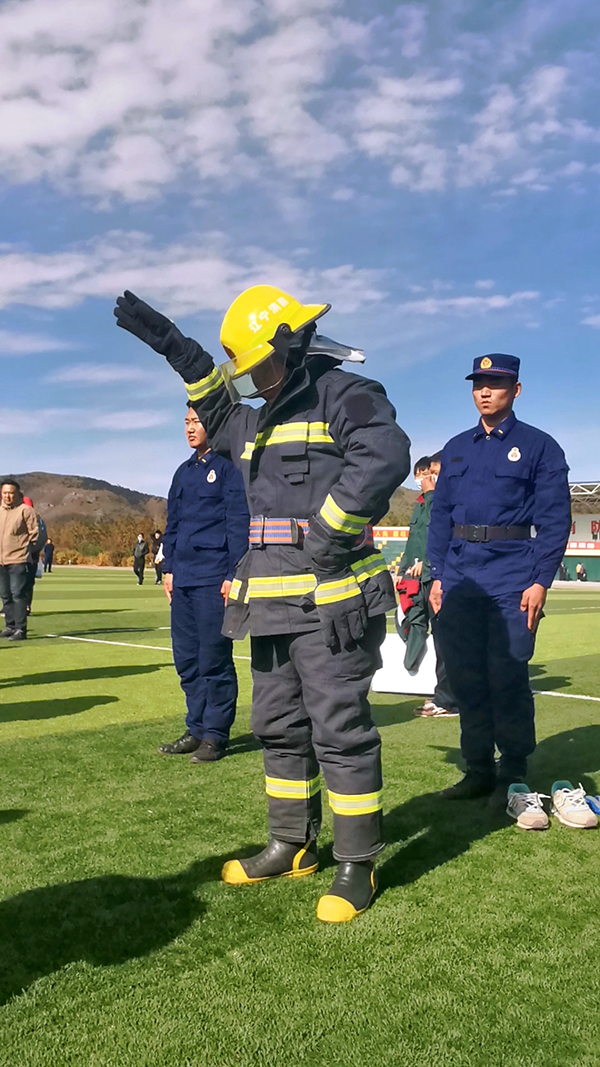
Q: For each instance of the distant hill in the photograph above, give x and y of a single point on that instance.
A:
(62, 498)
(400, 509)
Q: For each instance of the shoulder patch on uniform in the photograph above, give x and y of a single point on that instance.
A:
(360, 409)
(211, 476)
(514, 455)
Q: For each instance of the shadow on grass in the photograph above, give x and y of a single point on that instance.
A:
(390, 714)
(84, 674)
(80, 611)
(104, 921)
(241, 744)
(51, 709)
(538, 676)
(112, 630)
(12, 814)
(433, 831)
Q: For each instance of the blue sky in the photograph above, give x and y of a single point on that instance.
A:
(432, 170)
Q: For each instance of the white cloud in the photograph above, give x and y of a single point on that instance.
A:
(134, 94)
(15, 421)
(467, 305)
(129, 97)
(592, 320)
(181, 278)
(95, 374)
(485, 283)
(26, 344)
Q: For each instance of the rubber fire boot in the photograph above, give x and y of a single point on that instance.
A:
(279, 859)
(352, 891)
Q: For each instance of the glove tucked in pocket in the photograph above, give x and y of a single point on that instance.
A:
(342, 609)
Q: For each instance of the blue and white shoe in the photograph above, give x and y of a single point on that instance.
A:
(594, 804)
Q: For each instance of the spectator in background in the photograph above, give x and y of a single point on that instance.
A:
(415, 564)
(581, 573)
(157, 555)
(48, 555)
(140, 551)
(34, 554)
(18, 531)
(205, 538)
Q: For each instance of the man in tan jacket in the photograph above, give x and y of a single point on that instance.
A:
(18, 529)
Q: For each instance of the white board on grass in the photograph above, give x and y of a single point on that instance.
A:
(393, 677)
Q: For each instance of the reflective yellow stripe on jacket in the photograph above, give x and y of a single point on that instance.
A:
(340, 520)
(369, 567)
(282, 585)
(340, 589)
(198, 390)
(355, 803)
(286, 789)
(312, 433)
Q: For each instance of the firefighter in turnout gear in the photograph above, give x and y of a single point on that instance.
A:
(320, 459)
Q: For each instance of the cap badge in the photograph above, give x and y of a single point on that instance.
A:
(212, 475)
(514, 455)
(485, 363)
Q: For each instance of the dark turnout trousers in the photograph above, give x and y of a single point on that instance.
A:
(310, 709)
(486, 647)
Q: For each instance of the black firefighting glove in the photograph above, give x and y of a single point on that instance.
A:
(342, 609)
(184, 354)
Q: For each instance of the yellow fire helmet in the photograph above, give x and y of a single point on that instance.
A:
(251, 322)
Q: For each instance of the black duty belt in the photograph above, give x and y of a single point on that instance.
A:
(493, 533)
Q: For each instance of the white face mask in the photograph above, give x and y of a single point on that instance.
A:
(419, 483)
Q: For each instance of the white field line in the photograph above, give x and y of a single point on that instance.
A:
(164, 648)
(566, 696)
(121, 644)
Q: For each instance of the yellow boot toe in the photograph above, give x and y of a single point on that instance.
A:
(332, 909)
(234, 874)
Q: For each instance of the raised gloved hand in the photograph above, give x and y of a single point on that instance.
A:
(143, 321)
(342, 609)
(184, 354)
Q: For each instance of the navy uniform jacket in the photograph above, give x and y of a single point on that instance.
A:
(328, 446)
(514, 476)
(207, 522)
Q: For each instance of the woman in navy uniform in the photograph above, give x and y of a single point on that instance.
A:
(491, 575)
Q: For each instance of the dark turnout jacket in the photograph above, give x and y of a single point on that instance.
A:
(327, 447)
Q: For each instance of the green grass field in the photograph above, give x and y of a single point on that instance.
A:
(119, 945)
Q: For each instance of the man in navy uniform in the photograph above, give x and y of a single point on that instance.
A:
(205, 538)
(491, 576)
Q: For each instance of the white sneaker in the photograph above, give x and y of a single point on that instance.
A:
(526, 807)
(571, 808)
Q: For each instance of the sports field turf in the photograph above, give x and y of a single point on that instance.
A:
(119, 945)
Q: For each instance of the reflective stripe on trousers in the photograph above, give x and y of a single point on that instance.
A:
(310, 709)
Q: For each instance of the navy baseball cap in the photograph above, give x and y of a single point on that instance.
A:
(497, 364)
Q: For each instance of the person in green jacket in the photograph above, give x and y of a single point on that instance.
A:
(415, 564)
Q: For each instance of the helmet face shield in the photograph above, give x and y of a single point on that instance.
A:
(258, 381)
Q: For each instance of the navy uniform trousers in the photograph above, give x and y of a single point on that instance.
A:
(310, 708)
(204, 661)
(486, 647)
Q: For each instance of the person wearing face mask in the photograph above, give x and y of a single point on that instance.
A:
(320, 459)
(140, 551)
(415, 565)
(498, 482)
